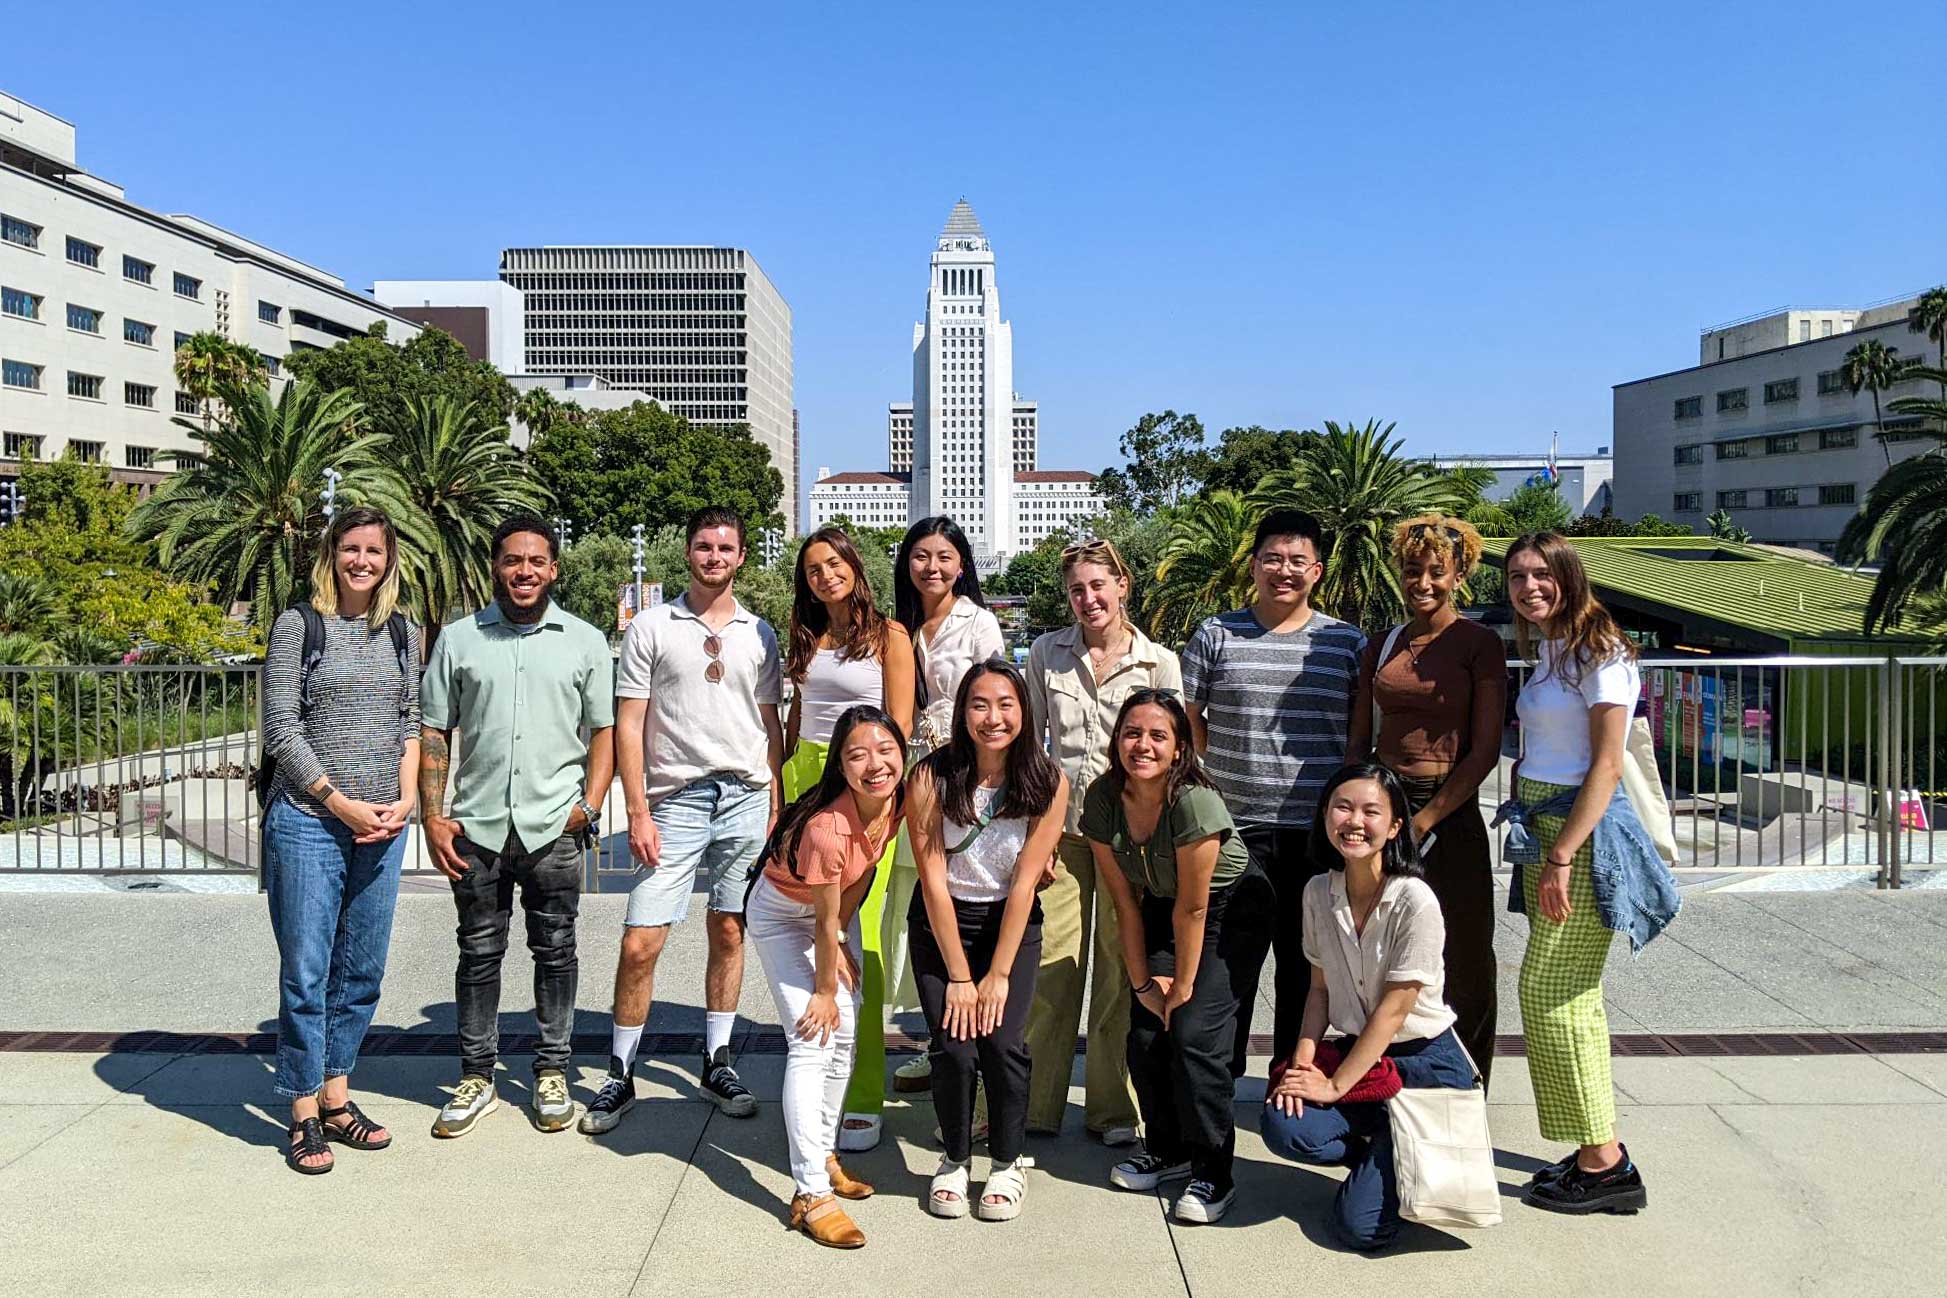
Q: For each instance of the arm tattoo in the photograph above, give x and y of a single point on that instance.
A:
(434, 758)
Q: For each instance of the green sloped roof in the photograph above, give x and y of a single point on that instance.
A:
(1741, 585)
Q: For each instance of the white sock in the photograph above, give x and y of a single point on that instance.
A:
(623, 1044)
(716, 1030)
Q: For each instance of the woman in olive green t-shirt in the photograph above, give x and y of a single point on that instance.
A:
(1185, 893)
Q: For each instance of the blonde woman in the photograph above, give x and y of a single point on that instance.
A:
(1077, 680)
(341, 741)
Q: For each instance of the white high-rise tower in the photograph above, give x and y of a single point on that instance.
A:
(963, 393)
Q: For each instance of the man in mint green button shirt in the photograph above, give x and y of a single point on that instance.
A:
(528, 687)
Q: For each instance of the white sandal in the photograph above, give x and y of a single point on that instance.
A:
(1011, 1187)
(858, 1139)
(950, 1180)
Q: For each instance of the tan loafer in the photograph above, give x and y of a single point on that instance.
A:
(825, 1222)
(844, 1184)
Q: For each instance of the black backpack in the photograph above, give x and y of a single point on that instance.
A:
(311, 656)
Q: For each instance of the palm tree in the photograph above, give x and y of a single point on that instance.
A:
(1358, 485)
(208, 365)
(1723, 527)
(1908, 507)
(1203, 565)
(454, 478)
(246, 519)
(1929, 316)
(1931, 411)
(1872, 365)
(26, 602)
(537, 409)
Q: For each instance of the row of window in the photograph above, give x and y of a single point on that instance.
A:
(19, 446)
(543, 285)
(1733, 400)
(27, 376)
(1837, 493)
(1743, 448)
(80, 252)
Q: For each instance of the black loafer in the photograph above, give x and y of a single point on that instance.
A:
(1619, 1189)
(1555, 1171)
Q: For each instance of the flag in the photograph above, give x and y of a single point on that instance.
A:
(1554, 443)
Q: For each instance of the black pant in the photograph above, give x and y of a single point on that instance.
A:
(550, 886)
(1001, 1056)
(1184, 1078)
(1459, 869)
(1283, 854)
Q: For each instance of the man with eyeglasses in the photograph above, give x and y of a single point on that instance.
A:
(699, 747)
(1269, 691)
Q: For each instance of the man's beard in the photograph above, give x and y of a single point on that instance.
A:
(512, 612)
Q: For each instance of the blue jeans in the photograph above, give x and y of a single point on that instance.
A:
(1365, 1215)
(331, 904)
(714, 827)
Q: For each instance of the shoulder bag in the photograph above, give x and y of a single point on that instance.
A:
(1443, 1156)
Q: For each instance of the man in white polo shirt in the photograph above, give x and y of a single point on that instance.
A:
(698, 746)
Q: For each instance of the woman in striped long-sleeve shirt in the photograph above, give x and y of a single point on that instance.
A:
(343, 733)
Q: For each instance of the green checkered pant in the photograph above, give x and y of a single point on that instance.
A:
(1561, 997)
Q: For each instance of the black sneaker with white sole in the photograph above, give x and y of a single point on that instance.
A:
(721, 1084)
(1204, 1202)
(1145, 1171)
(616, 1098)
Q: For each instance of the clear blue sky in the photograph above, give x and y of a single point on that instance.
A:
(1471, 219)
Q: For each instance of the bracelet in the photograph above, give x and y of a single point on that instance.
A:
(1148, 986)
(324, 794)
(967, 981)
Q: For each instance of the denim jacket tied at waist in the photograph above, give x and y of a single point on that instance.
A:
(1634, 890)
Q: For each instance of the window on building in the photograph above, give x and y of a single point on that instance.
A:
(186, 404)
(19, 302)
(1825, 328)
(1781, 390)
(137, 331)
(134, 268)
(85, 451)
(139, 394)
(1780, 497)
(188, 460)
(1843, 493)
(1838, 439)
(1781, 444)
(83, 253)
(16, 231)
(1830, 382)
(84, 318)
(1691, 454)
(1733, 450)
(1689, 407)
(189, 286)
(271, 366)
(1689, 502)
(1805, 331)
(1733, 399)
(139, 457)
(1730, 500)
(84, 385)
(19, 374)
(20, 446)
(270, 313)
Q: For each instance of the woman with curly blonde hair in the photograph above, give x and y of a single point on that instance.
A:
(1431, 706)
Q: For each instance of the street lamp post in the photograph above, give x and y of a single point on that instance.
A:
(330, 495)
(635, 547)
(565, 529)
(11, 503)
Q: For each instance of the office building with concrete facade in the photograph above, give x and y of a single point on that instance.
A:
(1582, 480)
(1772, 435)
(899, 435)
(96, 293)
(1046, 501)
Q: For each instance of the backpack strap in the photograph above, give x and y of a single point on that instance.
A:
(1379, 665)
(981, 821)
(311, 656)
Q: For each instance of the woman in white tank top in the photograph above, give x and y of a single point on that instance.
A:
(985, 813)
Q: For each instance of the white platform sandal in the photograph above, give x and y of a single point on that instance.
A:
(948, 1195)
(1010, 1186)
(858, 1132)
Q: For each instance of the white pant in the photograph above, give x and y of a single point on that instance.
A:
(815, 1076)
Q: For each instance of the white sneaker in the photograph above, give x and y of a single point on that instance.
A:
(1118, 1137)
(473, 1099)
(1202, 1204)
(554, 1108)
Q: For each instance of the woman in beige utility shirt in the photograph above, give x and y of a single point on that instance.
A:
(1077, 680)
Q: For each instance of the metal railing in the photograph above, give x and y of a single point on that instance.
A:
(1772, 764)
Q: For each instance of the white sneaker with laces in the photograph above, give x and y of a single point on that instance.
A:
(554, 1108)
(473, 1099)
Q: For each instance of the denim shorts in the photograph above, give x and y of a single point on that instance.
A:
(713, 827)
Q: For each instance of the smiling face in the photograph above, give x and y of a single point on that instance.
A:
(360, 559)
(715, 555)
(934, 566)
(994, 717)
(872, 760)
(1146, 742)
(1532, 588)
(1095, 595)
(1285, 569)
(523, 570)
(1429, 581)
(826, 573)
(1359, 819)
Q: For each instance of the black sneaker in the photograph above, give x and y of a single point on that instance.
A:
(1203, 1202)
(721, 1084)
(1145, 1171)
(1554, 1171)
(616, 1098)
(1619, 1189)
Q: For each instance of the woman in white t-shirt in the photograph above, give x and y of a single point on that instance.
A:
(1575, 711)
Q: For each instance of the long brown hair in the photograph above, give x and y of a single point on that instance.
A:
(324, 572)
(865, 634)
(1589, 635)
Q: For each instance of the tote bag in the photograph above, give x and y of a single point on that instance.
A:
(1443, 1157)
(1644, 784)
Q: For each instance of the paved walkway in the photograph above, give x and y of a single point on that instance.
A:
(159, 1174)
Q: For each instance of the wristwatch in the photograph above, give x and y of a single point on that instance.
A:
(594, 817)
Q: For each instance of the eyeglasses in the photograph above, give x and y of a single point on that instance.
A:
(1419, 530)
(1281, 562)
(713, 645)
(1095, 545)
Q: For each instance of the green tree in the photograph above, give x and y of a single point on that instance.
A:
(381, 377)
(1725, 528)
(1536, 507)
(1903, 528)
(1610, 525)
(208, 365)
(1929, 316)
(1166, 461)
(1872, 365)
(1358, 485)
(27, 603)
(246, 520)
(1932, 411)
(455, 475)
(1204, 566)
(616, 468)
(1244, 457)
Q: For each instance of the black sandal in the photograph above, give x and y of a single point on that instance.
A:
(312, 1144)
(356, 1133)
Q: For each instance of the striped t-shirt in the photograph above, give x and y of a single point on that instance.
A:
(1275, 710)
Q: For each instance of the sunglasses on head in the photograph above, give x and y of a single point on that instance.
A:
(1419, 530)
